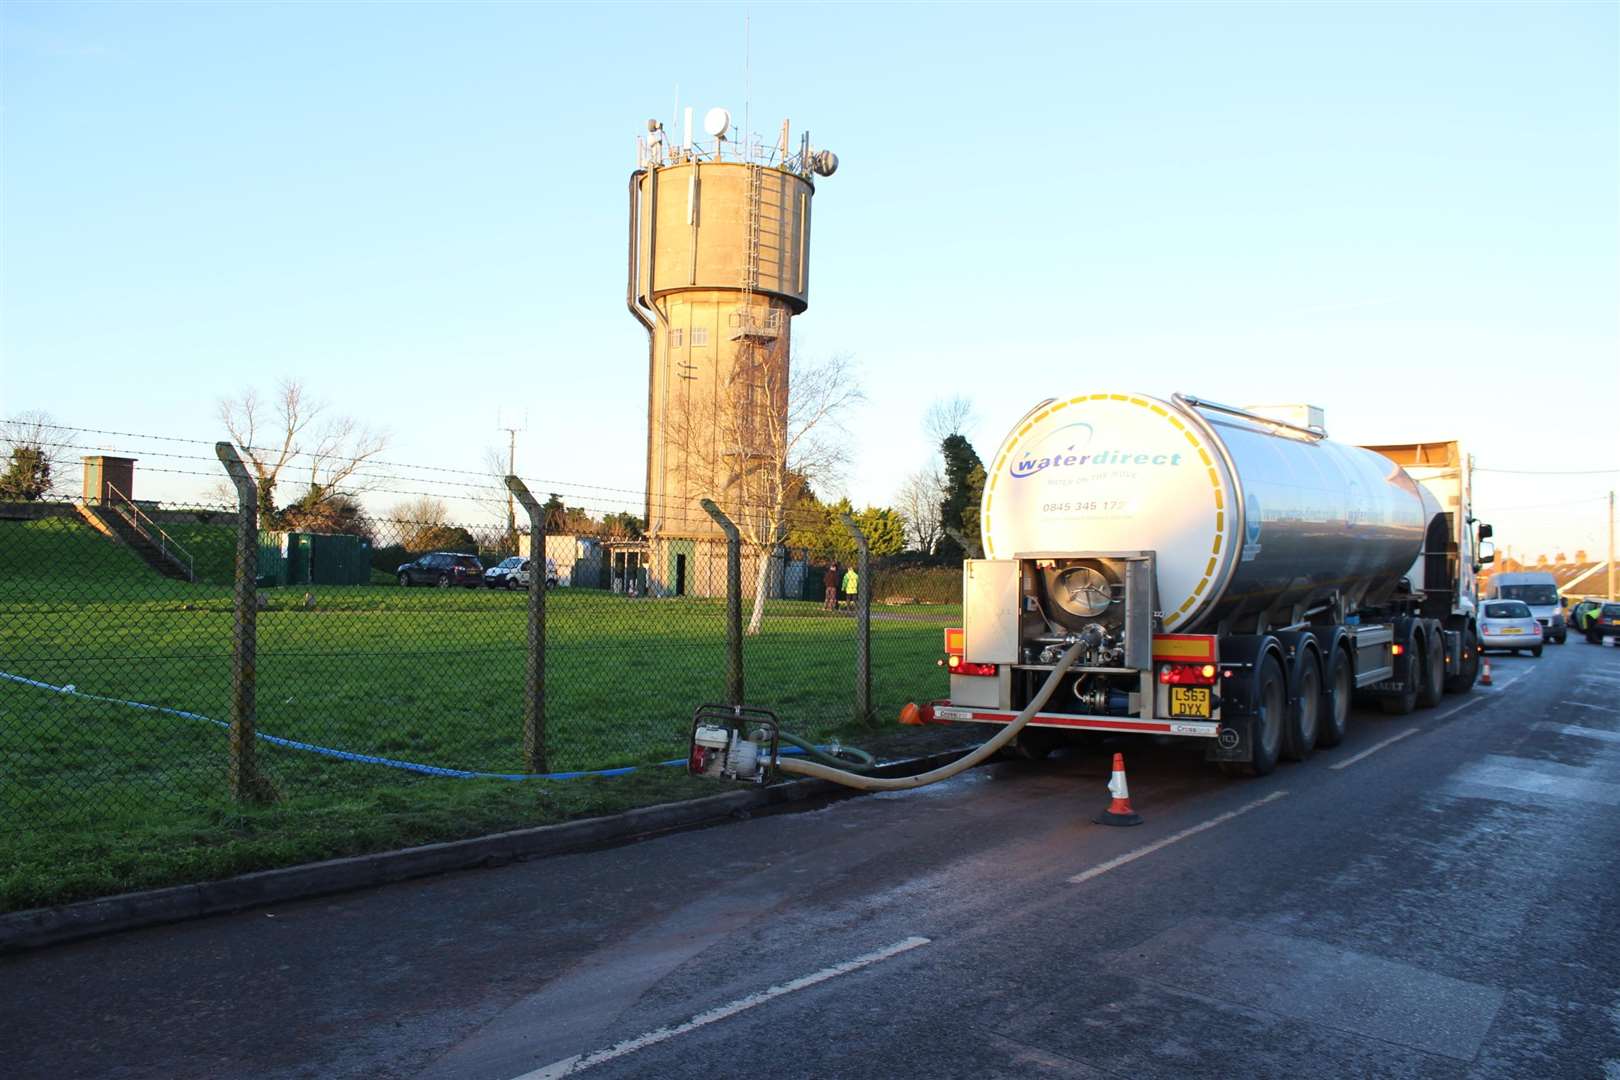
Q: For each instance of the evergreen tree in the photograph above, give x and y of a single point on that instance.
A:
(964, 487)
(28, 477)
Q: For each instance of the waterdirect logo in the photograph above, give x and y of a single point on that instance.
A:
(1077, 437)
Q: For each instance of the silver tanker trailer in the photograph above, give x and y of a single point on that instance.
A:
(1235, 576)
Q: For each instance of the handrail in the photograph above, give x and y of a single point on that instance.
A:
(163, 541)
(1233, 410)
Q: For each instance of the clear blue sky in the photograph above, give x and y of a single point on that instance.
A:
(1404, 213)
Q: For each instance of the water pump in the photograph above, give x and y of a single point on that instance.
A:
(734, 742)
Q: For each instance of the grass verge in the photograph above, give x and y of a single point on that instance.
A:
(98, 797)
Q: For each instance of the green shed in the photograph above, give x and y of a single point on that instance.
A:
(327, 559)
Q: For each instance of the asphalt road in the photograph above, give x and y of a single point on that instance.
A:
(1440, 896)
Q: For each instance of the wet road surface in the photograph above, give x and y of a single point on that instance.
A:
(1439, 896)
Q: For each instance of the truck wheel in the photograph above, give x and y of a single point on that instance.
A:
(1403, 703)
(1433, 685)
(1463, 681)
(1334, 717)
(1303, 727)
(1270, 714)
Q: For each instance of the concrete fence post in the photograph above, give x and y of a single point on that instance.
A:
(863, 622)
(734, 658)
(971, 548)
(245, 782)
(534, 671)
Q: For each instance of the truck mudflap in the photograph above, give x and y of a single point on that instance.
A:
(1235, 741)
(1204, 729)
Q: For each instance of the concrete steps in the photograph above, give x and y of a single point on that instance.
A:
(115, 525)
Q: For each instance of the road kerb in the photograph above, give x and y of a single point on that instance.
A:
(38, 927)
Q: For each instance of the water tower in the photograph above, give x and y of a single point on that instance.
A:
(718, 266)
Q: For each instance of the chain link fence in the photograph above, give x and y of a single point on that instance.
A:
(167, 671)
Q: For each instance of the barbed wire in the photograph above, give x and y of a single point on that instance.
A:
(575, 494)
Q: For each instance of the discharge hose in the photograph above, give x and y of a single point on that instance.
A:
(944, 772)
(863, 762)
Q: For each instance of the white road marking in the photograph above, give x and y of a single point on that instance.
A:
(580, 1062)
(1603, 734)
(1373, 749)
(1132, 856)
(1589, 705)
(1436, 718)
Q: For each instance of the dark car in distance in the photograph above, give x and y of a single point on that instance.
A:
(1607, 624)
(444, 569)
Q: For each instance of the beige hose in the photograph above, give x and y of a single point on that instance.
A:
(944, 772)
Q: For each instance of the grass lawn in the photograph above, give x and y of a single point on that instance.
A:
(98, 797)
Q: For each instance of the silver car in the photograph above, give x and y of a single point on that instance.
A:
(1510, 626)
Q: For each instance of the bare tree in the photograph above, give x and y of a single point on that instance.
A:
(779, 427)
(272, 435)
(919, 502)
(496, 498)
(420, 510)
(947, 417)
(32, 457)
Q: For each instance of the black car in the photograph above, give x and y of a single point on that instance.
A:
(1607, 624)
(444, 569)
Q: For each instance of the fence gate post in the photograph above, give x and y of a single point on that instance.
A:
(534, 672)
(863, 622)
(245, 782)
(734, 658)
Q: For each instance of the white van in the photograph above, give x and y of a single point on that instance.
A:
(1538, 589)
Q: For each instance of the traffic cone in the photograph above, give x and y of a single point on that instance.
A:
(1119, 811)
(1485, 674)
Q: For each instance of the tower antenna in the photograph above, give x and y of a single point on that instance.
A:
(748, 84)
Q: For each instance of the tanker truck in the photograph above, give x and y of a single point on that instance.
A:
(1229, 574)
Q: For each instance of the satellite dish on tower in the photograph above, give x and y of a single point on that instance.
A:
(717, 122)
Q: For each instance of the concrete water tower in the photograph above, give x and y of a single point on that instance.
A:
(718, 266)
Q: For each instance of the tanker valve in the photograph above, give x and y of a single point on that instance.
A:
(1104, 700)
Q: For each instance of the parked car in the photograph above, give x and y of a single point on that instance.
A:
(505, 572)
(516, 575)
(1508, 625)
(444, 569)
(1607, 624)
(1539, 589)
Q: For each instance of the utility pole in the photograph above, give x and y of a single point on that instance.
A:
(512, 430)
(1611, 544)
(511, 470)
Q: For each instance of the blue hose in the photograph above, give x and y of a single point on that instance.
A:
(800, 746)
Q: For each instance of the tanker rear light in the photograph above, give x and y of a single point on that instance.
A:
(955, 646)
(1187, 674)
